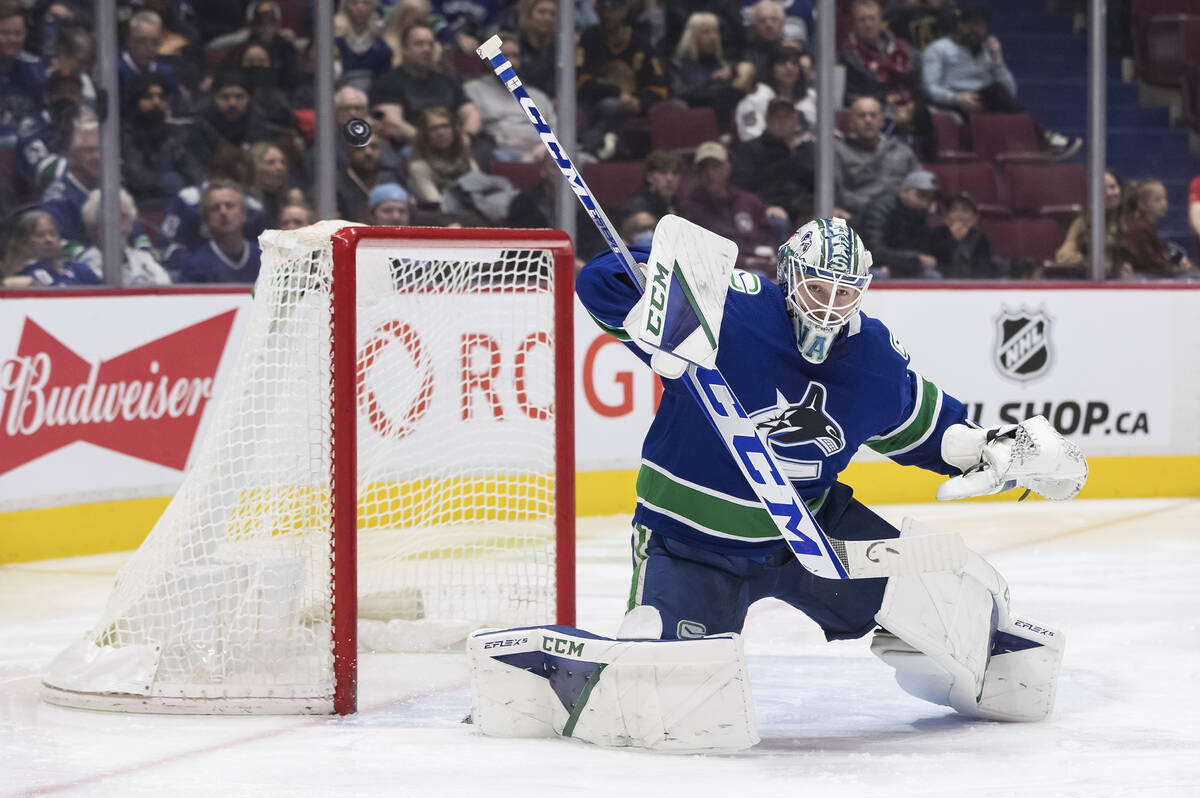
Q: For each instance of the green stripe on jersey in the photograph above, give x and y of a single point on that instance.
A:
(615, 332)
(917, 426)
(707, 510)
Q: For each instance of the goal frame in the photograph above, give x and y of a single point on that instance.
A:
(344, 414)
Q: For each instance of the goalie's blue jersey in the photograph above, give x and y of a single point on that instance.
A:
(815, 416)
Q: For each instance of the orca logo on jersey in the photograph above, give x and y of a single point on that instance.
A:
(797, 423)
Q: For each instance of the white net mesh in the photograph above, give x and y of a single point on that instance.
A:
(228, 600)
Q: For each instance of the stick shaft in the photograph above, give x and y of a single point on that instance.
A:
(490, 52)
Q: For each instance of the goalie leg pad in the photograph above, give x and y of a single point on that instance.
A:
(665, 695)
(951, 640)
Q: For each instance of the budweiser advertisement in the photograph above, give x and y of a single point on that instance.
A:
(104, 397)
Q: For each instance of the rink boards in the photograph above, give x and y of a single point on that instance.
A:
(1115, 369)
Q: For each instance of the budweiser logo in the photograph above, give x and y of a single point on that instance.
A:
(146, 403)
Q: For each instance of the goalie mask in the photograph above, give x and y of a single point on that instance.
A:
(823, 271)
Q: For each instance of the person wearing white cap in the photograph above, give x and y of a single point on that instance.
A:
(893, 226)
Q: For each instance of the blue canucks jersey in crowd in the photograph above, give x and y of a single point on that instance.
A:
(73, 273)
(814, 415)
(63, 199)
(208, 264)
(21, 90)
(183, 228)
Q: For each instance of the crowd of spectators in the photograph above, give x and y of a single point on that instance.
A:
(216, 128)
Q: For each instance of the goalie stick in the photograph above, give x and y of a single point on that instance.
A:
(819, 554)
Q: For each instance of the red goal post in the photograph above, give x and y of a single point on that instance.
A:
(346, 244)
(402, 401)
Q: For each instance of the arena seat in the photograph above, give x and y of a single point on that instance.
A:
(1165, 55)
(951, 137)
(1023, 238)
(674, 128)
(523, 176)
(613, 181)
(1058, 191)
(1008, 138)
(977, 179)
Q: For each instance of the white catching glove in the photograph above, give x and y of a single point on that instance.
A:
(1030, 455)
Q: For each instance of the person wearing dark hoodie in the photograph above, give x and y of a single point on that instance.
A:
(155, 160)
(231, 117)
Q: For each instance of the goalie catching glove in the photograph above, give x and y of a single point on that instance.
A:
(1030, 455)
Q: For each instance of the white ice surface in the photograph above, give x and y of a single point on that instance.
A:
(1119, 576)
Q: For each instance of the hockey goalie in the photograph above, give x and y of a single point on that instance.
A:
(818, 378)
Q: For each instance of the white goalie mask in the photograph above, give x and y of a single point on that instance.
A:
(823, 271)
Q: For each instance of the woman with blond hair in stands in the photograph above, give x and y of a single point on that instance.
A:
(1075, 245)
(701, 74)
(1143, 252)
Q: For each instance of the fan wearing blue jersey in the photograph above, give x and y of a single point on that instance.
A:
(820, 378)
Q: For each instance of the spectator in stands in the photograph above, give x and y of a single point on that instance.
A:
(618, 75)
(725, 209)
(228, 256)
(354, 183)
(1141, 248)
(440, 156)
(1075, 245)
(637, 230)
(778, 168)
(880, 64)
(539, 21)
(182, 45)
(702, 75)
(961, 248)
(966, 72)
(389, 205)
(893, 228)
(788, 79)
(63, 199)
(731, 29)
(504, 121)
(769, 30)
(138, 264)
(263, 84)
(466, 23)
(659, 190)
(271, 185)
(401, 94)
(866, 162)
(403, 16)
(534, 209)
(230, 118)
(295, 215)
(76, 56)
(156, 162)
(363, 52)
(42, 139)
(22, 75)
(183, 226)
(921, 22)
(141, 55)
(265, 28)
(348, 103)
(35, 251)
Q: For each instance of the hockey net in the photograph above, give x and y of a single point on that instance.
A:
(402, 394)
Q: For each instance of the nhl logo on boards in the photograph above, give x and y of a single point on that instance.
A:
(1022, 351)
